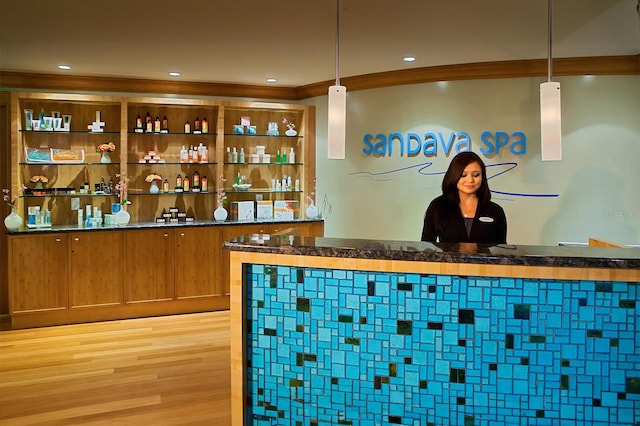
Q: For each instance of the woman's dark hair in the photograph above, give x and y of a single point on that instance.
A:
(454, 172)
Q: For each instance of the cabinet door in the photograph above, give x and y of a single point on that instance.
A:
(148, 259)
(96, 268)
(197, 250)
(38, 273)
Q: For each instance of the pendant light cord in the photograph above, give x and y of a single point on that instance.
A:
(337, 42)
(549, 40)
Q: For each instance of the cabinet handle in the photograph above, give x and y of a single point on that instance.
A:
(58, 240)
(182, 234)
(166, 235)
(76, 239)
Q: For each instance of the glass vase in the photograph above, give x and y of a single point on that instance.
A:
(220, 214)
(13, 221)
(105, 158)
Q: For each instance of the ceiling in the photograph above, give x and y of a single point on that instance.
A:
(247, 41)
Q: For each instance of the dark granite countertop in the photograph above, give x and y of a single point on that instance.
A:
(502, 254)
(154, 225)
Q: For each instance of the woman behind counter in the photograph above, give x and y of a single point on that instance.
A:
(464, 212)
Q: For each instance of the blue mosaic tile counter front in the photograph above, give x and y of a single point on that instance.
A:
(342, 347)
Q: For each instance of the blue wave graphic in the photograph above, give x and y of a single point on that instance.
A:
(421, 169)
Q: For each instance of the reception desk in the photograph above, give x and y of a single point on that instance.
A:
(362, 332)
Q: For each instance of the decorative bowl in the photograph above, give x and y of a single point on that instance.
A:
(241, 187)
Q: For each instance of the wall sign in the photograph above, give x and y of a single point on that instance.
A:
(432, 144)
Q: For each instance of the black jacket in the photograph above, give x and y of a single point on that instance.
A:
(443, 222)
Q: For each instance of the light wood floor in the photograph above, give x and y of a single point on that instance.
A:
(172, 370)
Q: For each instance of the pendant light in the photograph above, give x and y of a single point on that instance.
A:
(550, 111)
(336, 134)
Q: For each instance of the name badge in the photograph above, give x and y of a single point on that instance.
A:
(485, 219)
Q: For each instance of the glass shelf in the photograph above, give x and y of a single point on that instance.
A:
(172, 134)
(70, 164)
(263, 164)
(263, 136)
(77, 194)
(131, 194)
(74, 132)
(261, 191)
(170, 163)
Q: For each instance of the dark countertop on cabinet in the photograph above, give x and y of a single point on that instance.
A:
(154, 225)
(502, 254)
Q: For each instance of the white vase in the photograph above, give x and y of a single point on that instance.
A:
(105, 157)
(13, 221)
(220, 214)
(312, 211)
(290, 132)
(153, 189)
(122, 217)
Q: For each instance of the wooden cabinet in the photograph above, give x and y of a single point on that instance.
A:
(80, 276)
(38, 274)
(96, 269)
(258, 129)
(52, 163)
(157, 152)
(149, 264)
(196, 264)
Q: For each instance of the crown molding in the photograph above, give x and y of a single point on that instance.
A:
(601, 65)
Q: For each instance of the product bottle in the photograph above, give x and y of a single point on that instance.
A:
(284, 156)
(205, 125)
(197, 127)
(205, 184)
(238, 179)
(196, 180)
(179, 183)
(86, 188)
(148, 122)
(165, 124)
(203, 154)
(229, 158)
(165, 186)
(184, 155)
(139, 122)
(278, 157)
(156, 127)
(194, 155)
(242, 155)
(234, 155)
(185, 183)
(187, 127)
(292, 156)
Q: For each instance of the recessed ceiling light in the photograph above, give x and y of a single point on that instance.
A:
(64, 67)
(175, 74)
(272, 80)
(409, 59)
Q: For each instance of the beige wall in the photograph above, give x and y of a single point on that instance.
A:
(596, 182)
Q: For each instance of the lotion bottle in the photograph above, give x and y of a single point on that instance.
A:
(292, 156)
(242, 155)
(184, 155)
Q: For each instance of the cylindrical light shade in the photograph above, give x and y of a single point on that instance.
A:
(336, 134)
(550, 122)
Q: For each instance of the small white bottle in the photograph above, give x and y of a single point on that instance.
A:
(229, 158)
(184, 155)
(234, 155)
(242, 155)
(292, 156)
